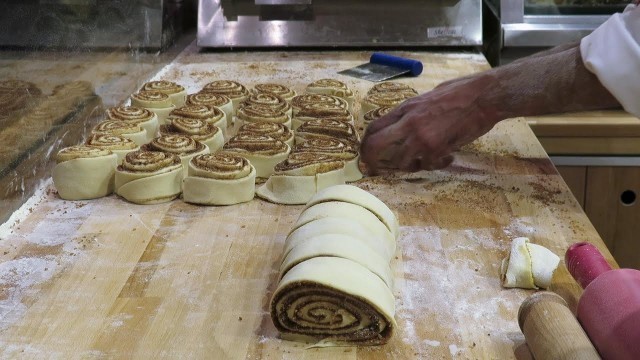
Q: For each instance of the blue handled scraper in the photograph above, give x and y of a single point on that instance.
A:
(384, 67)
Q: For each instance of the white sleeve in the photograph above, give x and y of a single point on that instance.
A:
(612, 53)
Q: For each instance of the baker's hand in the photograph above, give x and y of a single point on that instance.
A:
(422, 132)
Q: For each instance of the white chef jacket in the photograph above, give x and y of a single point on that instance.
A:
(612, 53)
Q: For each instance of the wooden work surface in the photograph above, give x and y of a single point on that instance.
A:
(106, 278)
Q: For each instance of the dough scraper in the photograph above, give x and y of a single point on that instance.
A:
(384, 67)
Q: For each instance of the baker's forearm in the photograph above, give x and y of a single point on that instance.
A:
(557, 82)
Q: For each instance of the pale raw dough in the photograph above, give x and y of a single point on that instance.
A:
(85, 178)
(296, 189)
(208, 191)
(528, 266)
(343, 246)
(301, 287)
(216, 142)
(355, 195)
(149, 188)
(338, 225)
(178, 99)
(162, 113)
(352, 212)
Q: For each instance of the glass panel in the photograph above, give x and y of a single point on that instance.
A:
(573, 7)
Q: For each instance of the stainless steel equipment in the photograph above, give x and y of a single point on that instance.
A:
(335, 23)
(526, 26)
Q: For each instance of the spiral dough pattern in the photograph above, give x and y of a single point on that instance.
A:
(221, 166)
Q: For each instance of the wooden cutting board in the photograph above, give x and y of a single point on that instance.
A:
(105, 278)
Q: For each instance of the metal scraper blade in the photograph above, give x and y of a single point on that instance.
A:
(374, 72)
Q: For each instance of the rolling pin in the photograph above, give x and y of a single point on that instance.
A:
(609, 308)
(551, 330)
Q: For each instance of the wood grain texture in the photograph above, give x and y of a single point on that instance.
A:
(616, 222)
(606, 123)
(182, 281)
(576, 178)
(591, 145)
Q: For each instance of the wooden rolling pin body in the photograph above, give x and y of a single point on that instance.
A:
(551, 330)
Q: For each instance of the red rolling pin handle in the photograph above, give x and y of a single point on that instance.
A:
(585, 263)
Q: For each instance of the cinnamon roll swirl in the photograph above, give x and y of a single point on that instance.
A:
(277, 89)
(183, 146)
(210, 114)
(380, 99)
(337, 149)
(119, 145)
(375, 114)
(276, 131)
(333, 299)
(269, 100)
(321, 111)
(149, 177)
(73, 89)
(263, 152)
(219, 179)
(177, 93)
(154, 101)
(254, 113)
(15, 86)
(392, 86)
(84, 172)
(327, 128)
(300, 176)
(129, 130)
(332, 87)
(219, 101)
(147, 119)
(197, 129)
(330, 102)
(232, 89)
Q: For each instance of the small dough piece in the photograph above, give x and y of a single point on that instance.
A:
(269, 100)
(231, 89)
(355, 195)
(210, 114)
(543, 264)
(146, 119)
(155, 101)
(516, 269)
(392, 86)
(380, 99)
(149, 177)
(276, 131)
(255, 113)
(332, 87)
(219, 179)
(357, 307)
(300, 177)
(342, 246)
(321, 111)
(327, 128)
(129, 130)
(213, 100)
(84, 172)
(263, 152)
(119, 145)
(337, 149)
(375, 114)
(197, 129)
(317, 101)
(278, 89)
(177, 93)
(351, 212)
(183, 146)
(336, 225)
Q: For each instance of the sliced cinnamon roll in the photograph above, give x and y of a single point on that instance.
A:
(393, 86)
(254, 113)
(119, 145)
(219, 179)
(232, 89)
(327, 128)
(321, 111)
(333, 299)
(177, 93)
(130, 130)
(380, 99)
(300, 176)
(375, 114)
(263, 152)
(277, 89)
(332, 87)
(183, 146)
(147, 119)
(269, 100)
(329, 102)
(197, 129)
(84, 172)
(210, 114)
(337, 149)
(155, 101)
(220, 101)
(276, 131)
(149, 177)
